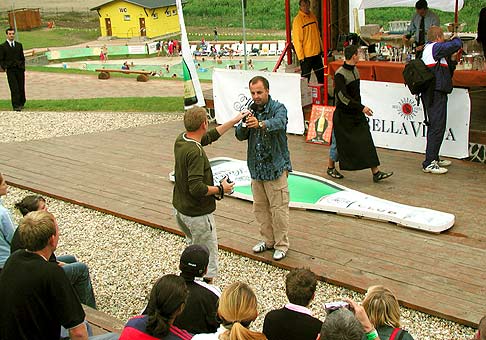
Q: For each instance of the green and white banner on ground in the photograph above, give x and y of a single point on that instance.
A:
(317, 193)
(192, 88)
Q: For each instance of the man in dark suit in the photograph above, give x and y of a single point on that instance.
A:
(12, 60)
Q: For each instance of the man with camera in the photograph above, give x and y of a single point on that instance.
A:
(268, 160)
(307, 42)
(194, 196)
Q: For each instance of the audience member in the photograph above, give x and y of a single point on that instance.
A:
(77, 272)
(199, 315)
(384, 313)
(37, 298)
(295, 320)
(7, 226)
(125, 66)
(481, 333)
(167, 300)
(237, 310)
(348, 324)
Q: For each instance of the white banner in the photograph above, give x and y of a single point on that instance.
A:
(443, 5)
(231, 94)
(137, 49)
(397, 121)
(152, 47)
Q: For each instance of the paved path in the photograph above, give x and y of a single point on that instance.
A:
(46, 85)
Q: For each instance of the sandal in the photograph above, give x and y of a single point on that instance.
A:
(334, 173)
(380, 175)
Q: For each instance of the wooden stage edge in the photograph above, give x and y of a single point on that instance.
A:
(237, 251)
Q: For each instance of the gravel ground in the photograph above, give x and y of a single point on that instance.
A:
(125, 258)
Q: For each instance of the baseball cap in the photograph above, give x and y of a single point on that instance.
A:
(194, 260)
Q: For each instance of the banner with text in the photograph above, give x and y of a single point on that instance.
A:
(397, 121)
(231, 93)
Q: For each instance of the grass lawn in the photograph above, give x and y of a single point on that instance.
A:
(129, 104)
(44, 37)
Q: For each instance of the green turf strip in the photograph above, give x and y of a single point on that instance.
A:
(302, 189)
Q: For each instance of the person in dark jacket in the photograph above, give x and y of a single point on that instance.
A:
(12, 60)
(482, 29)
(355, 147)
(439, 56)
(295, 320)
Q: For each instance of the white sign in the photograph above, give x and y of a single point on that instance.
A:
(231, 94)
(137, 49)
(397, 121)
(152, 47)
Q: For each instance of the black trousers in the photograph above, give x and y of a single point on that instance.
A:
(16, 82)
(312, 63)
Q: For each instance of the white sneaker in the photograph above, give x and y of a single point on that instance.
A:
(434, 168)
(260, 247)
(278, 254)
(444, 162)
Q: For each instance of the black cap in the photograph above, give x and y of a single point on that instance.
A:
(421, 4)
(194, 260)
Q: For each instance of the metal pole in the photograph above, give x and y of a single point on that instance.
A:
(15, 21)
(288, 34)
(244, 32)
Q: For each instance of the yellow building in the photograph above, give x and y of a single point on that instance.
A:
(138, 18)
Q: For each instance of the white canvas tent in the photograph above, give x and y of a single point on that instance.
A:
(443, 5)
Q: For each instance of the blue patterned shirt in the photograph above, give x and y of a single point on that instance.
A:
(268, 153)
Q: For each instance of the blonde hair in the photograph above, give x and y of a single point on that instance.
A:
(434, 33)
(237, 309)
(382, 307)
(36, 228)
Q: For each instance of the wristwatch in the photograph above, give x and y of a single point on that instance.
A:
(260, 124)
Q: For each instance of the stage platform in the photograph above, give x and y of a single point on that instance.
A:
(124, 172)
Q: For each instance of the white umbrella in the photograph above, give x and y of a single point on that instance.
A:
(443, 5)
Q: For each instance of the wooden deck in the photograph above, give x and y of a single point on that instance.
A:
(124, 172)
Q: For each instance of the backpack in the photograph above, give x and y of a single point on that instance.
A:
(418, 77)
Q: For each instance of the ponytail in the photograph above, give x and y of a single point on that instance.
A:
(157, 325)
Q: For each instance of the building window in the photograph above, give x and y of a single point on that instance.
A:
(174, 12)
(167, 12)
(126, 17)
(155, 16)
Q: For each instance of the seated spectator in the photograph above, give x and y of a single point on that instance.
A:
(167, 300)
(348, 324)
(7, 226)
(199, 315)
(77, 272)
(384, 313)
(295, 320)
(125, 66)
(37, 298)
(481, 333)
(237, 310)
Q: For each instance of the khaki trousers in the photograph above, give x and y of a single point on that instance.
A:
(271, 209)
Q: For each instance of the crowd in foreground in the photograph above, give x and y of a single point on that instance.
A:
(37, 298)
